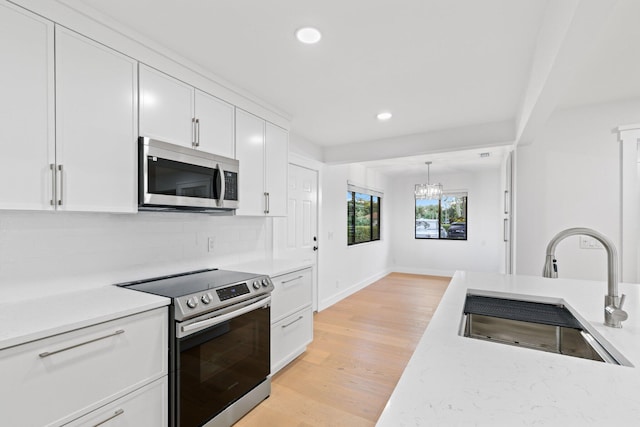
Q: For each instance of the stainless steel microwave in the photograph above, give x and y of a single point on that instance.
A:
(172, 177)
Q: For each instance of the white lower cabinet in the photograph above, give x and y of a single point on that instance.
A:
(291, 317)
(53, 381)
(290, 337)
(140, 408)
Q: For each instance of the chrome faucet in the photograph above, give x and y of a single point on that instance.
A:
(614, 315)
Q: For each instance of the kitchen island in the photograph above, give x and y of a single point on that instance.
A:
(457, 381)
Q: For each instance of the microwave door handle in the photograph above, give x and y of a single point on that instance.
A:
(221, 185)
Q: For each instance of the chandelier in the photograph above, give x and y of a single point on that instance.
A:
(428, 191)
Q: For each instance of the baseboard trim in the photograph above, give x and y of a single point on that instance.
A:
(351, 290)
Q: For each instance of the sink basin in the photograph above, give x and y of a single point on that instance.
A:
(540, 323)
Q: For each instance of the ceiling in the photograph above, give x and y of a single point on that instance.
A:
(441, 67)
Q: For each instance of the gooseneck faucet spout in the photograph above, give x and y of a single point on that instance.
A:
(614, 315)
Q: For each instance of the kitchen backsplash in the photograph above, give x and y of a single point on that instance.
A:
(47, 252)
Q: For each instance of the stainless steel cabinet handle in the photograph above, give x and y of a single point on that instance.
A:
(505, 230)
(506, 201)
(293, 321)
(193, 131)
(115, 414)
(266, 202)
(51, 353)
(61, 185)
(197, 132)
(54, 175)
(291, 280)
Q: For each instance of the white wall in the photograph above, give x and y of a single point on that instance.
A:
(344, 269)
(570, 177)
(49, 252)
(483, 249)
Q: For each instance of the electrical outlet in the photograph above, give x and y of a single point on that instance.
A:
(210, 244)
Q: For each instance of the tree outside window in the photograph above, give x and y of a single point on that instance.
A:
(363, 217)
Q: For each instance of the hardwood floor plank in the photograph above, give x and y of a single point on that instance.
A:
(361, 346)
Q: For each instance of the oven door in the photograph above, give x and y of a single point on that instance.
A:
(219, 359)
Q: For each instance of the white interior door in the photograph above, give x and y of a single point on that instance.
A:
(302, 218)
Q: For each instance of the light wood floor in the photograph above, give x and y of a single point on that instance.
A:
(361, 346)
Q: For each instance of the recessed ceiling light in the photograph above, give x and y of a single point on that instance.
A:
(308, 35)
(384, 116)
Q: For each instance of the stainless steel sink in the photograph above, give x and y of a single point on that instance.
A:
(546, 324)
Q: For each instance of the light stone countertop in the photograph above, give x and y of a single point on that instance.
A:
(457, 381)
(29, 320)
(271, 267)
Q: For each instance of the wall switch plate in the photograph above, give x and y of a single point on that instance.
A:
(210, 244)
(587, 242)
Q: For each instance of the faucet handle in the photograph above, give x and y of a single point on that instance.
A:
(613, 312)
(617, 314)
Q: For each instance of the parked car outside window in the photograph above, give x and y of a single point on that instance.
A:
(458, 230)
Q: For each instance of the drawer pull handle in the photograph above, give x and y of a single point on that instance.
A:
(291, 280)
(50, 353)
(54, 187)
(292, 322)
(115, 414)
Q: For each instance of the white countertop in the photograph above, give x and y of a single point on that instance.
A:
(28, 320)
(271, 267)
(24, 320)
(457, 381)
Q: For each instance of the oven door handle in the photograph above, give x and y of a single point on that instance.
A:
(224, 317)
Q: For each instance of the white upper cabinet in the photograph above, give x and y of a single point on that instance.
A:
(276, 169)
(26, 109)
(96, 126)
(166, 108)
(215, 125)
(176, 112)
(250, 154)
(262, 150)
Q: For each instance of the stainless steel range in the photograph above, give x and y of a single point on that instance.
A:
(219, 344)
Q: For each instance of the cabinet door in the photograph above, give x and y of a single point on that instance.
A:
(166, 108)
(145, 407)
(290, 337)
(215, 125)
(291, 292)
(26, 110)
(276, 169)
(250, 154)
(58, 379)
(96, 132)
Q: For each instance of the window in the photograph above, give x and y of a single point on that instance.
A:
(442, 219)
(363, 215)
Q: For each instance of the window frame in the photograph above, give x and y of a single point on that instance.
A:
(457, 194)
(375, 221)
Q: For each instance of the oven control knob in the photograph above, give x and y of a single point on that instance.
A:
(265, 282)
(192, 302)
(206, 298)
(256, 285)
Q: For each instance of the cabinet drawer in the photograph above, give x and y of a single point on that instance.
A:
(290, 337)
(60, 378)
(292, 292)
(145, 407)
